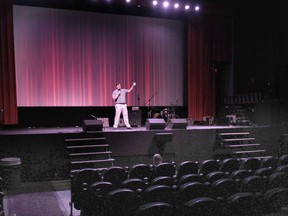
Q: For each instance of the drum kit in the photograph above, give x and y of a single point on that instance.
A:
(166, 113)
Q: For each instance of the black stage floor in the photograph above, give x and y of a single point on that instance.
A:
(44, 156)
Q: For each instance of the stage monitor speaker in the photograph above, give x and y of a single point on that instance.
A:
(92, 125)
(177, 123)
(155, 124)
(135, 118)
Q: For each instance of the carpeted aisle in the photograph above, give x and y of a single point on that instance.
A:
(34, 204)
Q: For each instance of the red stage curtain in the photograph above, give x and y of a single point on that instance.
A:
(209, 41)
(8, 102)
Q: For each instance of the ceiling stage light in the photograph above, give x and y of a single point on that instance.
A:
(197, 8)
(187, 7)
(155, 2)
(165, 4)
(176, 5)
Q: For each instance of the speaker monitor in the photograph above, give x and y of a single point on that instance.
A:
(92, 125)
(155, 124)
(177, 124)
(135, 118)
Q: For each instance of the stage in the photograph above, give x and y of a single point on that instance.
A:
(44, 157)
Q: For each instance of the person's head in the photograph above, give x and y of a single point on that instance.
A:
(157, 159)
(118, 85)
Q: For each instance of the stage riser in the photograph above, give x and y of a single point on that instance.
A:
(44, 156)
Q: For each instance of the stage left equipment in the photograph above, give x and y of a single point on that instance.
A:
(92, 125)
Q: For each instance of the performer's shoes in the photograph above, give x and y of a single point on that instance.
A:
(114, 128)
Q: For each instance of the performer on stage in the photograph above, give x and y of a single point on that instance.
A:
(119, 96)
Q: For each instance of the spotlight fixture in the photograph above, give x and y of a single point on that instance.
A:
(176, 5)
(165, 4)
(128, 1)
(187, 7)
(155, 2)
(197, 8)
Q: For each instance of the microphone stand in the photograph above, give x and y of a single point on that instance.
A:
(148, 102)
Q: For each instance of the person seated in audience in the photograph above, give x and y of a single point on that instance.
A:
(157, 159)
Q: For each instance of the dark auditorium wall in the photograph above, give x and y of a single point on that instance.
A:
(261, 57)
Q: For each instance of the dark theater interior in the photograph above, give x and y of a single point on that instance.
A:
(143, 108)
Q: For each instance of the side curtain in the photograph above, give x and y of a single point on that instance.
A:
(209, 41)
(8, 100)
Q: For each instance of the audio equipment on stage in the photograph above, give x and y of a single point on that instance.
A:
(135, 118)
(178, 123)
(155, 124)
(92, 125)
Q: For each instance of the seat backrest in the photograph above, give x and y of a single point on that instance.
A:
(163, 180)
(275, 199)
(282, 168)
(156, 209)
(269, 162)
(122, 202)
(254, 184)
(250, 164)
(213, 176)
(283, 160)
(192, 190)
(134, 184)
(158, 193)
(241, 174)
(191, 178)
(187, 167)
(165, 169)
(225, 188)
(278, 179)
(229, 165)
(208, 166)
(244, 203)
(203, 206)
(116, 175)
(266, 171)
(140, 171)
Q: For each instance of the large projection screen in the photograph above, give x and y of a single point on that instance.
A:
(74, 58)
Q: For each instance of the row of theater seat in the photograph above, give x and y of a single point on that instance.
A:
(1, 197)
(126, 202)
(207, 178)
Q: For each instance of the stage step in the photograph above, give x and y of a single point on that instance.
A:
(242, 145)
(87, 146)
(246, 152)
(237, 144)
(233, 134)
(85, 139)
(89, 153)
(238, 139)
(92, 161)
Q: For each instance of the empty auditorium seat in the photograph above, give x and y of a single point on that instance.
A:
(229, 165)
(203, 206)
(266, 171)
(192, 190)
(250, 164)
(278, 179)
(163, 180)
(156, 209)
(241, 174)
(269, 162)
(116, 175)
(275, 199)
(213, 176)
(208, 166)
(244, 203)
(283, 160)
(191, 178)
(187, 167)
(254, 184)
(165, 169)
(140, 171)
(158, 193)
(122, 202)
(225, 188)
(134, 184)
